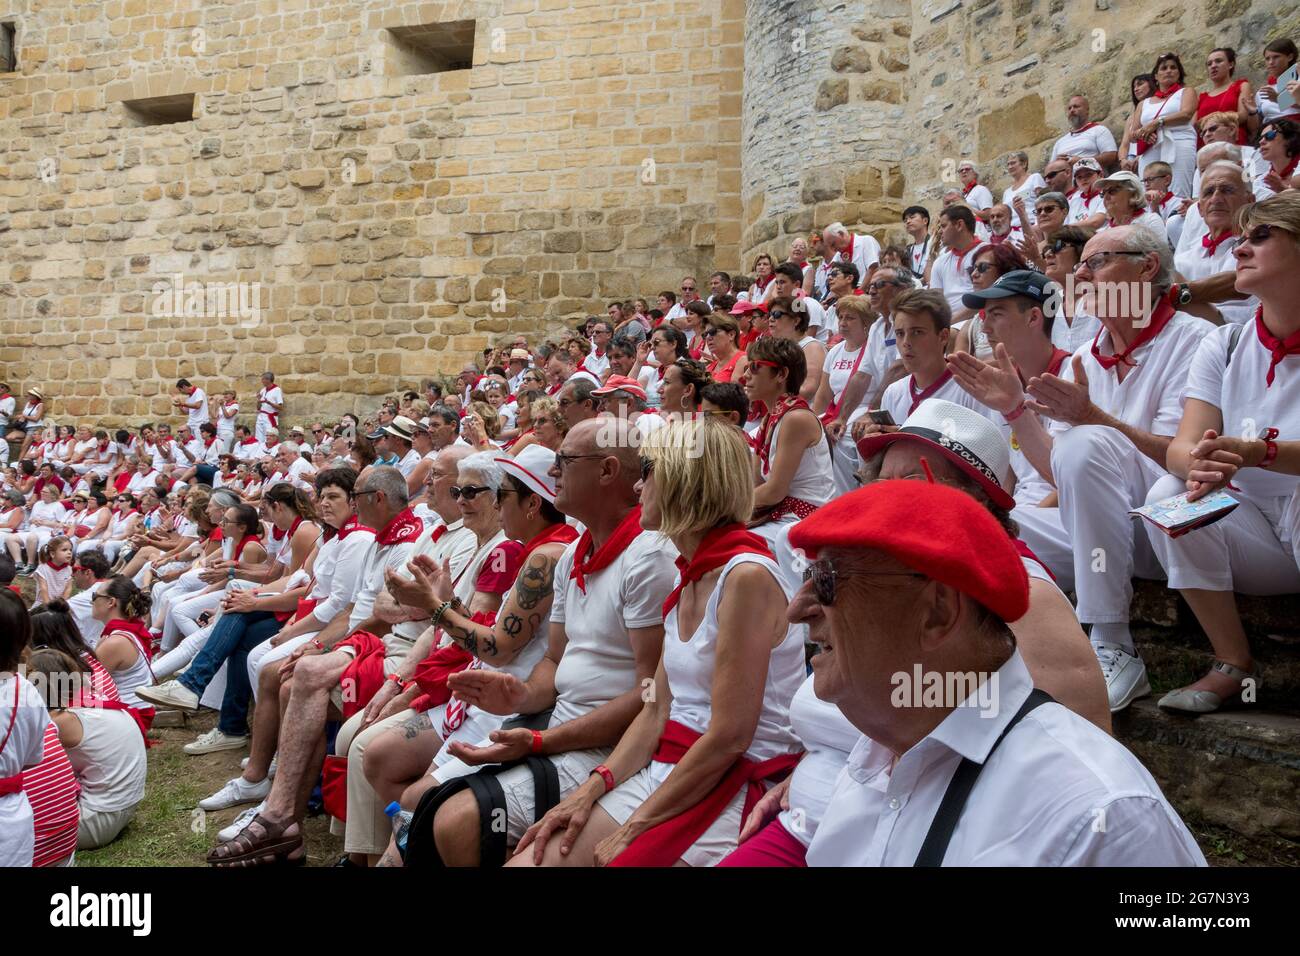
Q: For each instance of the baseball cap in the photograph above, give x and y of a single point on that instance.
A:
(1086, 163)
(1026, 282)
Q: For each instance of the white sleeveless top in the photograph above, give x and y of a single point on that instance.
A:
(812, 480)
(137, 674)
(689, 666)
(110, 761)
(117, 527)
(827, 737)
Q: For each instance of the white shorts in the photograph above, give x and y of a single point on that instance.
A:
(476, 726)
(720, 839)
(572, 768)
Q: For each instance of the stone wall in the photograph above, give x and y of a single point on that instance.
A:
(973, 79)
(386, 226)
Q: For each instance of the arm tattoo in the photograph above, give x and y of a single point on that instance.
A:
(535, 582)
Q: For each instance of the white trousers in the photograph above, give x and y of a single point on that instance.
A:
(179, 657)
(1100, 475)
(263, 423)
(1041, 529)
(1244, 552)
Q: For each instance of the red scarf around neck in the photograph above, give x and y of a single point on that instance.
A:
(1167, 93)
(1280, 348)
(919, 397)
(1211, 245)
(763, 440)
(136, 629)
(762, 283)
(352, 524)
(716, 548)
(279, 535)
(405, 527)
(561, 532)
(1164, 311)
(1085, 127)
(587, 559)
(965, 190)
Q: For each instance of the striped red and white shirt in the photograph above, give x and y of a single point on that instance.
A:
(52, 790)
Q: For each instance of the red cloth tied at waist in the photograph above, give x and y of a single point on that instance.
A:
(664, 844)
(12, 784)
(305, 606)
(431, 673)
(791, 506)
(363, 677)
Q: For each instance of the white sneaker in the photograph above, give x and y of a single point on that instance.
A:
(226, 834)
(1126, 675)
(213, 741)
(170, 693)
(270, 771)
(235, 792)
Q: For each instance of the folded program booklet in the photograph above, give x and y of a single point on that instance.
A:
(1176, 516)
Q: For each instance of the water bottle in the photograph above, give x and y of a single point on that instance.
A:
(401, 821)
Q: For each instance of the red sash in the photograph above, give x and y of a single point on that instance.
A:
(585, 562)
(664, 844)
(762, 441)
(1280, 348)
(717, 547)
(1159, 319)
(919, 397)
(143, 716)
(138, 630)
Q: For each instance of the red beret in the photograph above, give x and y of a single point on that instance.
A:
(941, 532)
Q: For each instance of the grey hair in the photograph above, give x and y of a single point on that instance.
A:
(291, 447)
(835, 229)
(1057, 199)
(1145, 240)
(1213, 152)
(389, 480)
(225, 498)
(483, 464)
(1238, 174)
(1021, 155)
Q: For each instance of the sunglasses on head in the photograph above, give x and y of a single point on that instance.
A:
(468, 492)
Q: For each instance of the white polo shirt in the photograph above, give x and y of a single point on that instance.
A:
(253, 451)
(336, 572)
(882, 349)
(598, 664)
(1193, 261)
(863, 253)
(898, 399)
(1092, 140)
(1082, 208)
(949, 276)
(1057, 792)
(196, 403)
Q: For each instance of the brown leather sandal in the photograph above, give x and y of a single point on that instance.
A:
(271, 848)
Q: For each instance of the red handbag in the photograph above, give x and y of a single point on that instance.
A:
(334, 786)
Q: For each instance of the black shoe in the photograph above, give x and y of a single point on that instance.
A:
(346, 862)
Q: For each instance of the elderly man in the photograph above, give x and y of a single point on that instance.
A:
(561, 368)
(1204, 256)
(605, 638)
(910, 596)
(975, 193)
(844, 246)
(270, 403)
(1113, 411)
(1000, 226)
(1085, 138)
(324, 673)
(576, 401)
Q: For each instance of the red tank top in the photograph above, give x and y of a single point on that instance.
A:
(1225, 102)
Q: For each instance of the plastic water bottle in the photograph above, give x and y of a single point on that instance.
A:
(401, 821)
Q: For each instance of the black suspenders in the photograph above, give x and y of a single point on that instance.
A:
(960, 787)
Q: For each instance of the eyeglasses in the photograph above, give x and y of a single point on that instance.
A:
(979, 268)
(101, 597)
(778, 314)
(824, 577)
(647, 467)
(880, 284)
(1258, 235)
(563, 461)
(1151, 180)
(1099, 259)
(468, 492)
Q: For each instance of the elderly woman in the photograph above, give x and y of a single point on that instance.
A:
(988, 264)
(697, 756)
(548, 426)
(1279, 146)
(1241, 380)
(44, 522)
(792, 463)
(1125, 199)
(763, 272)
(1160, 127)
(1025, 187)
(1051, 209)
(1054, 647)
(495, 622)
(1224, 193)
(791, 323)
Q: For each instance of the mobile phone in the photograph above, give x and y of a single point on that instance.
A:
(881, 416)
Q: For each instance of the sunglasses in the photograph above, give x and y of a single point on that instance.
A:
(647, 467)
(1270, 135)
(979, 268)
(563, 461)
(468, 492)
(823, 577)
(1258, 235)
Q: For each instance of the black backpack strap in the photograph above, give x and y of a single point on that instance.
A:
(491, 801)
(959, 789)
(546, 785)
(421, 850)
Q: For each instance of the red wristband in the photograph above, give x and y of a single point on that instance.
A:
(606, 775)
(1014, 415)
(396, 678)
(537, 741)
(317, 644)
(1270, 447)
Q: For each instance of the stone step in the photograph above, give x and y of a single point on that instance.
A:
(1234, 776)
(1177, 652)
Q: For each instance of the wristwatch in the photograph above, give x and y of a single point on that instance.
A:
(1185, 295)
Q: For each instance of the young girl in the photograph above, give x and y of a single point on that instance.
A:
(54, 576)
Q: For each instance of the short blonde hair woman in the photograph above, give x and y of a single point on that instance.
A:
(716, 725)
(548, 426)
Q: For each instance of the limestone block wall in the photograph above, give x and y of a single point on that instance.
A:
(973, 79)
(374, 225)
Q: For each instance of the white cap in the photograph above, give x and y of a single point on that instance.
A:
(532, 466)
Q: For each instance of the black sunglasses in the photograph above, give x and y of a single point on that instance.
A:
(647, 466)
(468, 492)
(823, 577)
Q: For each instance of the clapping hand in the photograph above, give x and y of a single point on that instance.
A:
(1063, 400)
(995, 384)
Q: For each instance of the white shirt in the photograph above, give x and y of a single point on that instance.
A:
(864, 253)
(918, 253)
(1081, 208)
(250, 452)
(676, 312)
(460, 547)
(1028, 190)
(979, 197)
(838, 368)
(1056, 792)
(898, 400)
(139, 482)
(1149, 219)
(1192, 263)
(337, 572)
(948, 275)
(109, 761)
(597, 365)
(264, 399)
(226, 419)
(598, 664)
(818, 323)
(1092, 141)
(25, 749)
(370, 581)
(828, 738)
(197, 404)
(8, 405)
(80, 605)
(882, 349)
(408, 462)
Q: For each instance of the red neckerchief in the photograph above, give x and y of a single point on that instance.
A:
(965, 190)
(244, 542)
(919, 397)
(554, 389)
(103, 446)
(562, 532)
(717, 547)
(55, 567)
(249, 441)
(403, 529)
(997, 240)
(763, 440)
(271, 444)
(1272, 80)
(208, 443)
(586, 562)
(762, 283)
(354, 524)
(1159, 319)
(1084, 128)
(1280, 348)
(1167, 93)
(278, 535)
(1058, 359)
(1088, 196)
(1166, 197)
(1210, 245)
(1286, 174)
(962, 255)
(137, 630)
(228, 475)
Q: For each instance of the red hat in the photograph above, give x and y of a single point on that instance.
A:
(620, 383)
(941, 532)
(744, 307)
